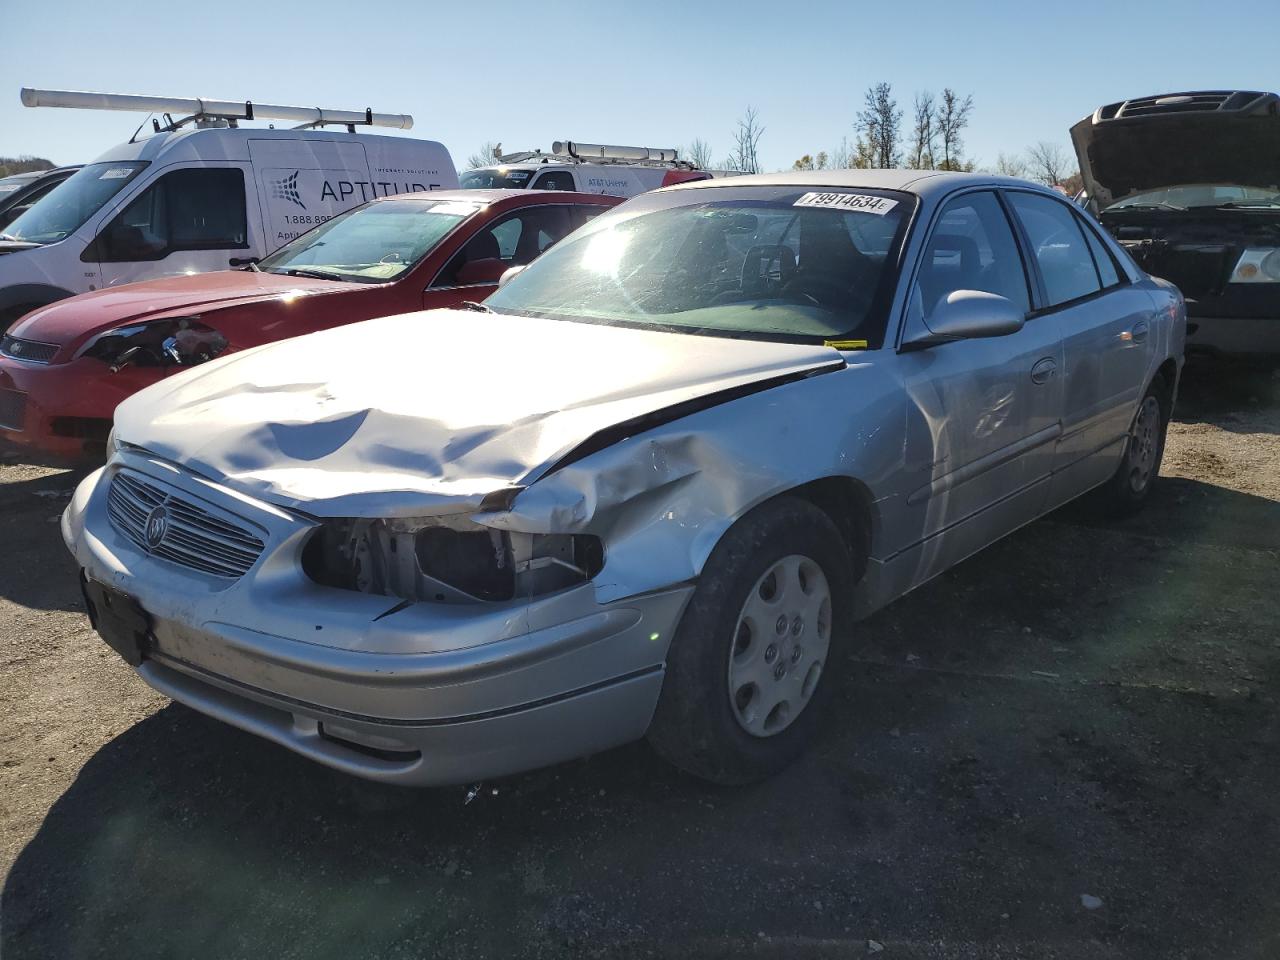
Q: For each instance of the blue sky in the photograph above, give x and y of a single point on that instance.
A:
(652, 74)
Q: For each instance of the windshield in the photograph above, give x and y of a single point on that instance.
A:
(775, 263)
(1192, 195)
(491, 178)
(68, 205)
(371, 244)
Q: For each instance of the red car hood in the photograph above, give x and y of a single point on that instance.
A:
(76, 318)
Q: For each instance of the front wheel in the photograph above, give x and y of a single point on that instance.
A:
(1130, 487)
(747, 670)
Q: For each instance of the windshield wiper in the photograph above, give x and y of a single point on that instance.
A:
(313, 274)
(1244, 205)
(1149, 205)
(478, 307)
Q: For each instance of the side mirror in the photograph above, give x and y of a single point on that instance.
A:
(971, 315)
(476, 272)
(508, 274)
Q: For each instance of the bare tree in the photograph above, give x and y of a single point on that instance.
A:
(1047, 162)
(879, 119)
(699, 153)
(841, 156)
(484, 156)
(953, 117)
(923, 132)
(746, 143)
(1011, 165)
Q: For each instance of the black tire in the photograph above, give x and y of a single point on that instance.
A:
(1130, 488)
(696, 725)
(11, 315)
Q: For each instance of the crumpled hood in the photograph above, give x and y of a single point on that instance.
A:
(68, 321)
(1155, 142)
(428, 412)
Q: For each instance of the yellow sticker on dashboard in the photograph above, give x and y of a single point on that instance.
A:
(846, 344)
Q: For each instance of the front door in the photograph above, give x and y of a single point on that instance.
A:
(983, 415)
(187, 220)
(511, 240)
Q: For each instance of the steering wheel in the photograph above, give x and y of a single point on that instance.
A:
(819, 291)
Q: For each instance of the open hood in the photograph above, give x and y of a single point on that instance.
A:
(1230, 137)
(67, 320)
(427, 413)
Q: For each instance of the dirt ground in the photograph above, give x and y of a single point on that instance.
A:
(1065, 748)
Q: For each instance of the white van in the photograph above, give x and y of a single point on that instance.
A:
(190, 199)
(616, 171)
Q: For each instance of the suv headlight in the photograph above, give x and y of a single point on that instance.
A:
(181, 341)
(447, 559)
(1257, 265)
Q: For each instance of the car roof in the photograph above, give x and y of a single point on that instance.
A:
(924, 183)
(487, 196)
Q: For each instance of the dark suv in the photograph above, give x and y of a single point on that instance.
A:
(1189, 183)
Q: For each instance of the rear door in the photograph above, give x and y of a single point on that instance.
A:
(188, 219)
(983, 415)
(1108, 342)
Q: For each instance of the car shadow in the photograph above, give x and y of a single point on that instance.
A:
(1041, 722)
(1217, 390)
(37, 571)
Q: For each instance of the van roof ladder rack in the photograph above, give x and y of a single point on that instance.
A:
(212, 113)
(571, 151)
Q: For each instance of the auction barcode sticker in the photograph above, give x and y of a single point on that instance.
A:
(860, 202)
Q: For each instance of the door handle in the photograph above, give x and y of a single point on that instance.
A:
(1139, 331)
(1043, 370)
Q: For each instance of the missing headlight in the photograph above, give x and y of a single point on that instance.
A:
(181, 341)
(447, 560)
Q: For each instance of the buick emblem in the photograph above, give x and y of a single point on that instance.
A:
(156, 527)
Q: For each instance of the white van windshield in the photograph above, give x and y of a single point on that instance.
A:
(495, 178)
(371, 244)
(68, 205)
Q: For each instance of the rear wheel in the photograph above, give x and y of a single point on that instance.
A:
(746, 673)
(1128, 490)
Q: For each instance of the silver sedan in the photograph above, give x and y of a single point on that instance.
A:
(648, 489)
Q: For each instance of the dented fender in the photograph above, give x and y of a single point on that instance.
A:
(662, 499)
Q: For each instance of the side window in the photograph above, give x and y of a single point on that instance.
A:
(198, 209)
(1059, 247)
(972, 248)
(1106, 264)
(555, 180)
(587, 212)
(512, 241)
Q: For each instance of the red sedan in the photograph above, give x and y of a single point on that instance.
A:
(64, 367)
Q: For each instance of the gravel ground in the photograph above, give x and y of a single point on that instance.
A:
(1063, 748)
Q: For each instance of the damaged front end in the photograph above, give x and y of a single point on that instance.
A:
(1226, 263)
(448, 559)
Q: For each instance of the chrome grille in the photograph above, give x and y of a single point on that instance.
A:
(32, 351)
(182, 532)
(13, 409)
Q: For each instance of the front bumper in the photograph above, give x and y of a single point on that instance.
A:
(429, 694)
(1236, 336)
(64, 410)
